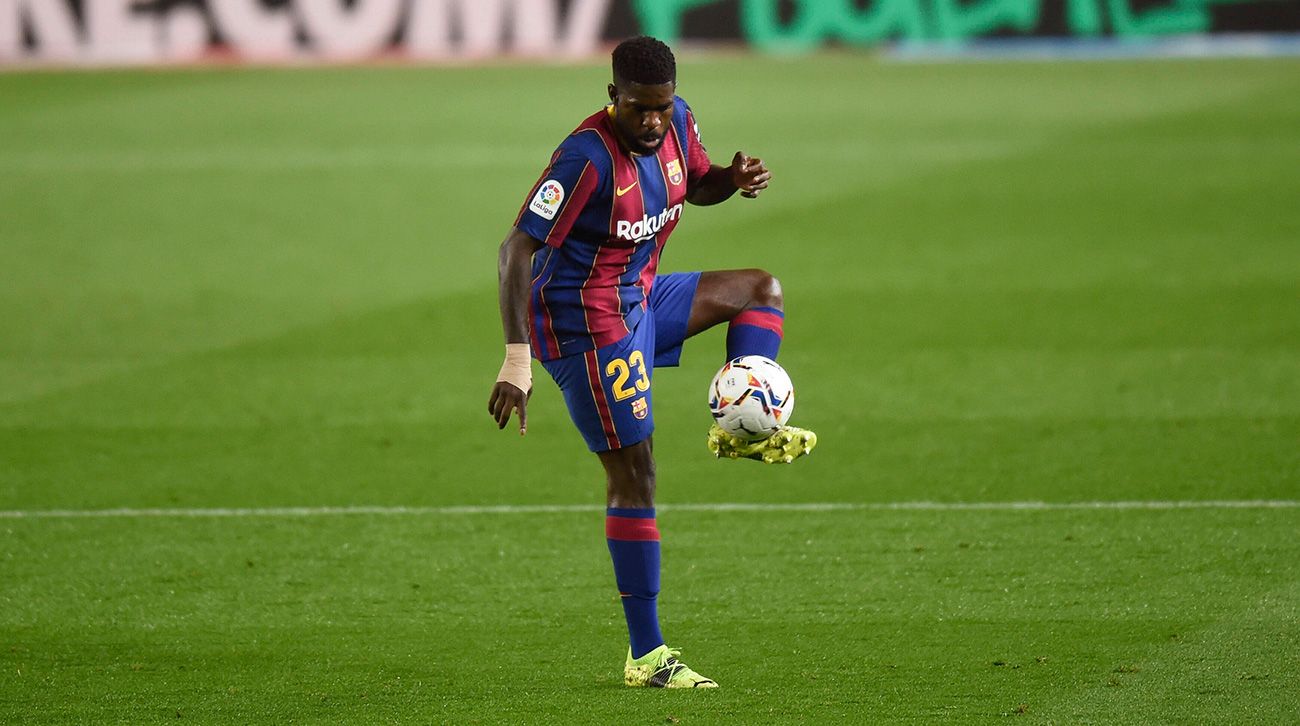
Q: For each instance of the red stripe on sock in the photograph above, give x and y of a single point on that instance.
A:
(758, 318)
(631, 529)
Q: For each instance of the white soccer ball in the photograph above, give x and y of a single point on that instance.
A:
(751, 397)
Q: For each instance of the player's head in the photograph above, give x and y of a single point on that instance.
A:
(645, 82)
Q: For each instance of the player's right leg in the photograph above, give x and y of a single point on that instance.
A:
(608, 394)
(633, 538)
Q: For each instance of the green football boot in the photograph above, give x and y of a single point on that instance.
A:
(782, 447)
(660, 669)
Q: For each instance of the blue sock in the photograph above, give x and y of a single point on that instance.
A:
(756, 331)
(633, 542)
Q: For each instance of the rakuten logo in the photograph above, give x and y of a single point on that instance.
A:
(647, 226)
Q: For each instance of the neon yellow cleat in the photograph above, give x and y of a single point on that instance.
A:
(782, 447)
(660, 669)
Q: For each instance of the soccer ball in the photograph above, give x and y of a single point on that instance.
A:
(751, 397)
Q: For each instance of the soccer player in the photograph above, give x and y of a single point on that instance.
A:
(580, 291)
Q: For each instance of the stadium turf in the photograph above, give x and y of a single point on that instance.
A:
(249, 290)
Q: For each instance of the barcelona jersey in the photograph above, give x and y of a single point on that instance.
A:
(604, 215)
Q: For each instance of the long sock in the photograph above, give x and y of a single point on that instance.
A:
(633, 542)
(755, 331)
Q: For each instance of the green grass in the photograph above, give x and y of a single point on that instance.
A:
(1004, 282)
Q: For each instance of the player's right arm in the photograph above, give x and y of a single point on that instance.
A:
(515, 381)
(547, 217)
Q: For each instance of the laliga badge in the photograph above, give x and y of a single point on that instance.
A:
(547, 200)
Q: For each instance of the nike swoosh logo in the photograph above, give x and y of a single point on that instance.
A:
(621, 191)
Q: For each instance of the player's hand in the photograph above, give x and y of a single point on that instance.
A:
(514, 386)
(749, 174)
(507, 397)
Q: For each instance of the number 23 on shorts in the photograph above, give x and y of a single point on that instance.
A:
(621, 370)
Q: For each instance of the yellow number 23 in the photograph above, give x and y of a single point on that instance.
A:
(622, 370)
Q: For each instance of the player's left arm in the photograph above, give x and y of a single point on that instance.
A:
(746, 174)
(709, 183)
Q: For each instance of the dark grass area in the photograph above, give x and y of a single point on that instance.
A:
(908, 616)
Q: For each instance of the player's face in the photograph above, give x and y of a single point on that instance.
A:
(642, 114)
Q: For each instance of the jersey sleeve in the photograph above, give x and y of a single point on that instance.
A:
(558, 197)
(697, 158)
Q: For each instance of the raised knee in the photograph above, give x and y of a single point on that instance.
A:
(767, 291)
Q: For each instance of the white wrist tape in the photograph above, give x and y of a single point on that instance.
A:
(517, 370)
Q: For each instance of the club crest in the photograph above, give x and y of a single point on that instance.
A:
(674, 170)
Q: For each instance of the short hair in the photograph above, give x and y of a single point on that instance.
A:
(644, 60)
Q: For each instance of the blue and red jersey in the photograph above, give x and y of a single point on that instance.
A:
(604, 215)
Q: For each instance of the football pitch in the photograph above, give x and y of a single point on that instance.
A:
(1045, 319)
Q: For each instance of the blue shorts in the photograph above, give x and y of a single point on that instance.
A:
(608, 390)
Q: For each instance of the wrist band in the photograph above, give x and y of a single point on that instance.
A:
(517, 370)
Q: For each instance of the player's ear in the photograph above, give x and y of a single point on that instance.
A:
(613, 93)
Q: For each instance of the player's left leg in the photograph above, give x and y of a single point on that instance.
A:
(752, 304)
(750, 301)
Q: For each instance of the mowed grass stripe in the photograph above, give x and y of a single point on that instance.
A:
(910, 617)
(698, 507)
